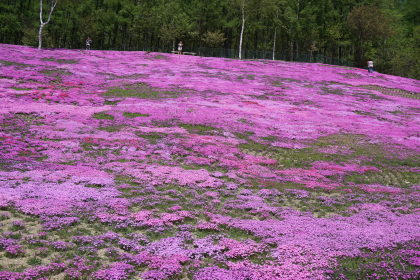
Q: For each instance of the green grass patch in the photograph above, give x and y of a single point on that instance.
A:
(34, 261)
(261, 258)
(204, 233)
(210, 168)
(287, 158)
(155, 236)
(130, 192)
(102, 116)
(363, 113)
(199, 128)
(372, 153)
(279, 82)
(245, 121)
(12, 63)
(270, 138)
(348, 140)
(41, 158)
(94, 186)
(134, 115)
(382, 264)
(397, 112)
(53, 140)
(25, 153)
(112, 128)
(386, 177)
(244, 135)
(238, 234)
(60, 61)
(56, 72)
(247, 77)
(158, 57)
(125, 179)
(28, 117)
(141, 90)
(335, 91)
(72, 162)
(410, 161)
(87, 146)
(368, 95)
(20, 89)
(152, 137)
(393, 91)
(112, 102)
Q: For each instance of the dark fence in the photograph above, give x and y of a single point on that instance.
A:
(253, 54)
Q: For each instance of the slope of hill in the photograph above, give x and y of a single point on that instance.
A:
(128, 165)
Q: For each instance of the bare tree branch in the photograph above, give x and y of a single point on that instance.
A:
(53, 4)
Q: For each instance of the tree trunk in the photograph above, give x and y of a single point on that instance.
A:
(242, 29)
(291, 50)
(274, 44)
(41, 27)
(42, 23)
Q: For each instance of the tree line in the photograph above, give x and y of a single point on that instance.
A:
(386, 31)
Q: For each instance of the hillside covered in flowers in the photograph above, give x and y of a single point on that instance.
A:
(136, 165)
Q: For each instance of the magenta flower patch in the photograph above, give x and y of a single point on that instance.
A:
(125, 166)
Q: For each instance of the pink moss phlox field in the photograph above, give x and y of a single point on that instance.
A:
(140, 165)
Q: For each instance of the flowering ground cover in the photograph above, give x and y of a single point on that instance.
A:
(135, 165)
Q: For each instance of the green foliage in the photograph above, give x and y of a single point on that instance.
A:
(214, 39)
(406, 54)
(367, 24)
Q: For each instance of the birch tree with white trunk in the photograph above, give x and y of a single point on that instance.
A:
(276, 23)
(53, 3)
(275, 7)
(243, 27)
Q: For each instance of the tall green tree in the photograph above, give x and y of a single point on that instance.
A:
(367, 24)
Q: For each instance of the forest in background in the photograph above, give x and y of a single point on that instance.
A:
(386, 31)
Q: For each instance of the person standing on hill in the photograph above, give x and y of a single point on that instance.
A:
(370, 66)
(88, 42)
(180, 45)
